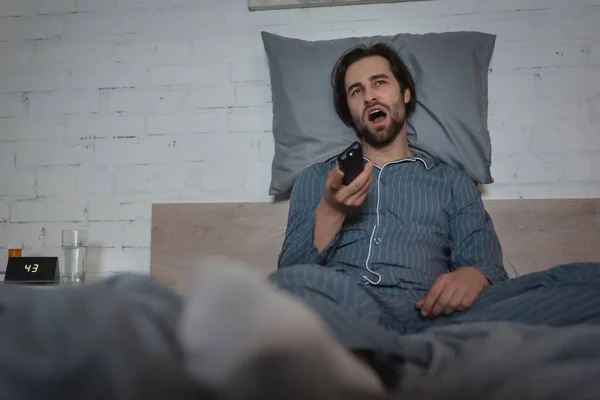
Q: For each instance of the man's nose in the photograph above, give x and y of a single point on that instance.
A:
(370, 96)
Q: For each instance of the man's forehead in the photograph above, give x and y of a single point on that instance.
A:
(367, 68)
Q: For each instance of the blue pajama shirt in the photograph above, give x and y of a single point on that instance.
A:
(420, 219)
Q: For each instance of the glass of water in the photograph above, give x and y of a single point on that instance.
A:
(74, 246)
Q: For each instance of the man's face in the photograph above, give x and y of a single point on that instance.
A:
(376, 103)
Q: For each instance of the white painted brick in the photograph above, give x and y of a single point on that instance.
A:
(136, 233)
(567, 24)
(102, 24)
(56, 181)
(182, 24)
(500, 191)
(42, 153)
(95, 5)
(151, 178)
(57, 6)
(150, 3)
(546, 138)
(252, 94)
(147, 150)
(510, 135)
(96, 179)
(192, 74)
(503, 87)
(229, 179)
(160, 101)
(561, 87)
(41, 210)
(111, 209)
(106, 78)
(4, 209)
(141, 52)
(510, 27)
(131, 259)
(515, 5)
(112, 234)
(266, 147)
(34, 81)
(504, 5)
(14, 55)
(12, 8)
(594, 54)
(504, 167)
(582, 166)
(594, 108)
(212, 96)
(173, 178)
(71, 102)
(138, 178)
(539, 168)
(214, 147)
(214, 120)
(28, 28)
(194, 172)
(105, 234)
(21, 129)
(509, 58)
(229, 48)
(86, 54)
(250, 119)
(251, 69)
(101, 126)
(153, 53)
(17, 182)
(563, 190)
(7, 155)
(173, 51)
(257, 179)
(11, 105)
(29, 234)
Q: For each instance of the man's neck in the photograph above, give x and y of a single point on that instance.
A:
(396, 150)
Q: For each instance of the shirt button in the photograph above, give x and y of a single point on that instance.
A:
(382, 211)
(382, 181)
(377, 241)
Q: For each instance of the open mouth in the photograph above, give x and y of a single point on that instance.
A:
(377, 116)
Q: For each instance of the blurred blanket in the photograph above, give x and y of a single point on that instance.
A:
(117, 340)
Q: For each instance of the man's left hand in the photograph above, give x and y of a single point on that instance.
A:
(456, 290)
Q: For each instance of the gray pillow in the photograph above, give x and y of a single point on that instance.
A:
(450, 122)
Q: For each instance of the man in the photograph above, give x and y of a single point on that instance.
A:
(408, 244)
(407, 219)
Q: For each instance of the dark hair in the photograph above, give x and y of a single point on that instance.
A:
(398, 67)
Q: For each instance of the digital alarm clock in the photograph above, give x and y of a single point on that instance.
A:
(32, 271)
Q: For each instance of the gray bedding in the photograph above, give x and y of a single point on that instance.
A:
(117, 340)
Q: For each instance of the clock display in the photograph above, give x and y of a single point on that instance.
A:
(32, 270)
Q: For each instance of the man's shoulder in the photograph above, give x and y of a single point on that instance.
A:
(315, 173)
(448, 171)
(318, 170)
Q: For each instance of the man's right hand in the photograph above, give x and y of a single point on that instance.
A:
(344, 198)
(337, 201)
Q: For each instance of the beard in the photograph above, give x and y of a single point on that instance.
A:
(379, 137)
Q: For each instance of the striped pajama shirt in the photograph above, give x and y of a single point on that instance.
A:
(420, 219)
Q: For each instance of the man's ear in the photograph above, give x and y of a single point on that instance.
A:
(407, 96)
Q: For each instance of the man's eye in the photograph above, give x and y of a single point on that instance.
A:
(355, 91)
(380, 82)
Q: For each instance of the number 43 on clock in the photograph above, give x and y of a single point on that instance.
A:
(31, 268)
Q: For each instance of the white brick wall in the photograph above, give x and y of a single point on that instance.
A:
(109, 105)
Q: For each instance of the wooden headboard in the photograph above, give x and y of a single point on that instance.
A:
(535, 234)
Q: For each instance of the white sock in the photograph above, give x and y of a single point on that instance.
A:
(234, 316)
